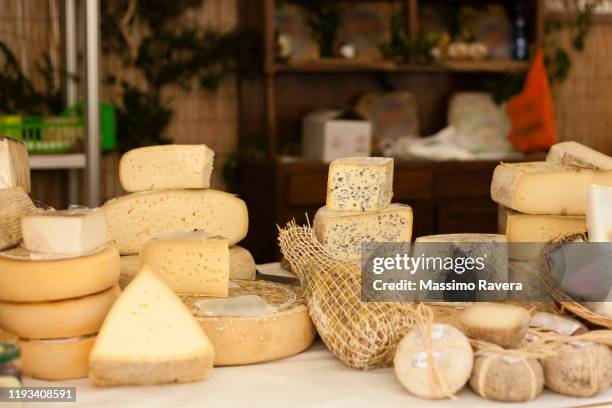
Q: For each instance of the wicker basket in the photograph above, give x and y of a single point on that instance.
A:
(564, 303)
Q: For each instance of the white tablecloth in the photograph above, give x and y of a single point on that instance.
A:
(314, 378)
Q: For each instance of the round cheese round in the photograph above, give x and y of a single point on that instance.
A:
(58, 319)
(30, 280)
(259, 321)
(58, 359)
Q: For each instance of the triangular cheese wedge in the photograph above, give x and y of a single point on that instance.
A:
(150, 337)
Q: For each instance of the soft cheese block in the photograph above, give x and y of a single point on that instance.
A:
(578, 155)
(599, 213)
(14, 164)
(343, 232)
(56, 359)
(15, 203)
(545, 188)
(150, 337)
(58, 319)
(25, 277)
(360, 184)
(166, 167)
(136, 218)
(70, 232)
(189, 262)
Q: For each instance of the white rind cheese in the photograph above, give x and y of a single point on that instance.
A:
(150, 337)
(56, 359)
(58, 319)
(360, 184)
(545, 188)
(343, 232)
(136, 218)
(578, 155)
(15, 204)
(191, 262)
(70, 232)
(24, 280)
(599, 213)
(166, 167)
(14, 164)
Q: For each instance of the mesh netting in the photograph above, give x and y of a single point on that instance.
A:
(362, 334)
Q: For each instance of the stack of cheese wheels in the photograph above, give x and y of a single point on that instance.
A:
(358, 207)
(170, 195)
(56, 290)
(540, 201)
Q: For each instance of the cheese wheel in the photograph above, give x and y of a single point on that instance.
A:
(23, 280)
(281, 328)
(58, 319)
(58, 359)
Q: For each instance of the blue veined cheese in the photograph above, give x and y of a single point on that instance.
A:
(343, 232)
(360, 184)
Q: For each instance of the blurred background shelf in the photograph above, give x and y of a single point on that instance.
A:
(58, 161)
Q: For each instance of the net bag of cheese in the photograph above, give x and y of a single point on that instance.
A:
(363, 335)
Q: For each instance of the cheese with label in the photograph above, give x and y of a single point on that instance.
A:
(166, 167)
(136, 218)
(15, 204)
(502, 324)
(58, 319)
(14, 164)
(27, 280)
(545, 188)
(360, 184)
(56, 359)
(150, 337)
(241, 264)
(71, 232)
(190, 262)
(343, 232)
(578, 155)
(531, 229)
(599, 213)
(259, 321)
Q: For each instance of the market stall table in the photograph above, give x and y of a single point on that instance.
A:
(314, 378)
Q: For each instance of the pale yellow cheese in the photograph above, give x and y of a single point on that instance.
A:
(241, 263)
(14, 164)
(545, 188)
(58, 319)
(599, 213)
(502, 324)
(578, 155)
(15, 204)
(166, 167)
(191, 262)
(25, 280)
(150, 337)
(136, 218)
(56, 359)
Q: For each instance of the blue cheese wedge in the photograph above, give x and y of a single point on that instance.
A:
(360, 184)
(343, 232)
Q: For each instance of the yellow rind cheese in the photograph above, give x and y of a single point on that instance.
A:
(57, 359)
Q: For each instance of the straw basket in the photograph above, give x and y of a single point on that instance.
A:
(564, 303)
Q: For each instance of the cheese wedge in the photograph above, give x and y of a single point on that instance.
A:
(14, 164)
(545, 188)
(241, 264)
(578, 155)
(150, 337)
(189, 262)
(599, 213)
(136, 218)
(15, 204)
(71, 232)
(166, 167)
(56, 359)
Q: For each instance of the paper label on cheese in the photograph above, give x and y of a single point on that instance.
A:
(247, 305)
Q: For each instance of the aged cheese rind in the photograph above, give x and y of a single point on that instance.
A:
(578, 155)
(166, 167)
(71, 232)
(190, 262)
(58, 319)
(343, 232)
(15, 204)
(24, 280)
(360, 184)
(136, 218)
(56, 359)
(14, 164)
(150, 337)
(240, 340)
(545, 188)
(502, 324)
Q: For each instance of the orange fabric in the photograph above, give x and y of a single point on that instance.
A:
(531, 111)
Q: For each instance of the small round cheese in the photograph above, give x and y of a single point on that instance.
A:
(58, 359)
